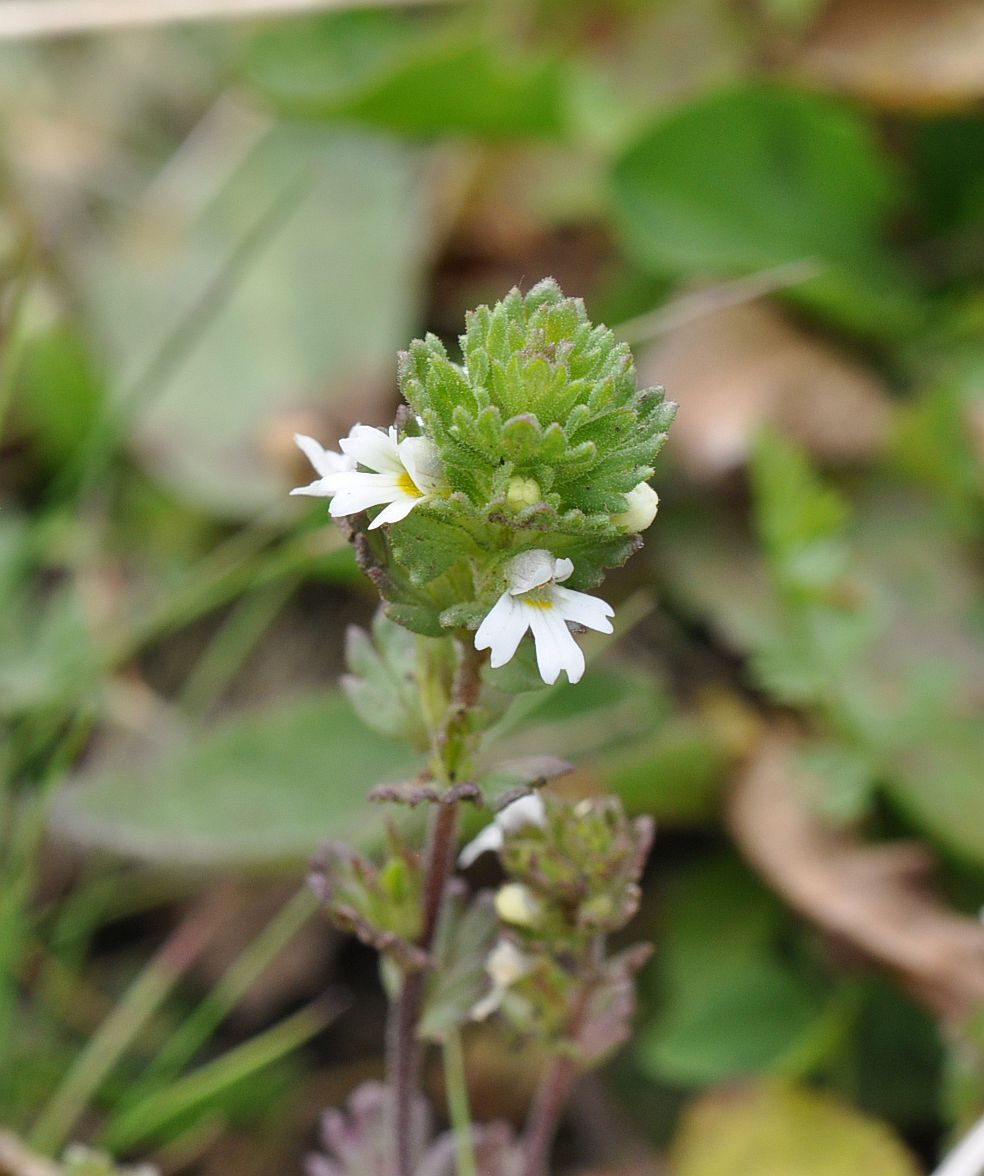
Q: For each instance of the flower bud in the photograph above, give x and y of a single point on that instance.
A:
(643, 502)
(518, 905)
(506, 964)
(523, 492)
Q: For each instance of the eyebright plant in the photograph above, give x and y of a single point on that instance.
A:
(506, 487)
(522, 468)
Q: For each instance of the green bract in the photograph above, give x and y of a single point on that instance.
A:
(541, 433)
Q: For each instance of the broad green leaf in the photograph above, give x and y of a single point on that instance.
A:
(674, 773)
(757, 176)
(844, 778)
(896, 1056)
(747, 919)
(939, 782)
(269, 789)
(409, 77)
(948, 170)
(607, 710)
(330, 58)
(382, 683)
(732, 1004)
(801, 520)
(745, 1027)
(713, 572)
(46, 652)
(288, 283)
(775, 1130)
(256, 790)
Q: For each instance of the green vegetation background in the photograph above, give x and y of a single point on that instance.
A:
(216, 235)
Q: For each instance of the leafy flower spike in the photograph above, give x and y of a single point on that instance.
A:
(534, 600)
(519, 466)
(402, 474)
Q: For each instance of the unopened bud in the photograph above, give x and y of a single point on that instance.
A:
(643, 502)
(507, 964)
(518, 905)
(523, 492)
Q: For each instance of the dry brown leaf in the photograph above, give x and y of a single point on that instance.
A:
(17, 1160)
(901, 54)
(734, 370)
(872, 898)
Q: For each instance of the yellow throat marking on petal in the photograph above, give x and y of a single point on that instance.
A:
(538, 600)
(409, 486)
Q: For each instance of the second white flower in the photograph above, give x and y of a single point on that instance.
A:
(535, 600)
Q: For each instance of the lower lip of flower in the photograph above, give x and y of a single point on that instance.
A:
(538, 601)
(409, 486)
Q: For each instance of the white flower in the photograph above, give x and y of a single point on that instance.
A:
(534, 600)
(506, 965)
(527, 810)
(401, 474)
(643, 502)
(325, 461)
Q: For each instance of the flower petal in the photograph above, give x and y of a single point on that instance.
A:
(421, 462)
(358, 491)
(325, 461)
(529, 570)
(398, 509)
(373, 448)
(525, 810)
(488, 841)
(503, 629)
(590, 611)
(563, 569)
(556, 648)
(318, 489)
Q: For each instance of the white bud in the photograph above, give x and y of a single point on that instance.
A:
(643, 502)
(507, 964)
(518, 905)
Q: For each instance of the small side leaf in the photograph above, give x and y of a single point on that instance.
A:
(464, 939)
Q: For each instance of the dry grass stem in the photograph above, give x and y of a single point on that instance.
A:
(23, 19)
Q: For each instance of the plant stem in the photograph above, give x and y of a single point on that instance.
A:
(541, 1127)
(403, 1046)
(458, 1107)
(453, 747)
(560, 1075)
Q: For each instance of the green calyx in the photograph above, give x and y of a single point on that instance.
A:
(579, 869)
(540, 433)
